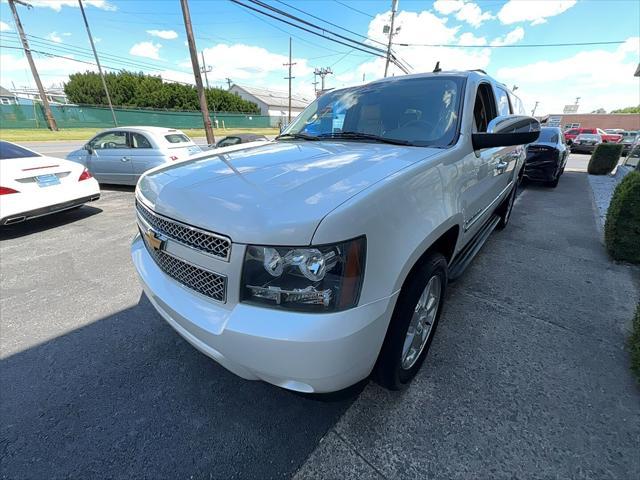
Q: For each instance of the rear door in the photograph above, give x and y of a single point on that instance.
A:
(110, 160)
(144, 154)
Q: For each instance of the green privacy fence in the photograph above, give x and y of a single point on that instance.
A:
(78, 116)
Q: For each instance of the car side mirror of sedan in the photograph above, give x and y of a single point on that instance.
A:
(88, 148)
(507, 130)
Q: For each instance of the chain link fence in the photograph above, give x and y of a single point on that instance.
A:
(79, 116)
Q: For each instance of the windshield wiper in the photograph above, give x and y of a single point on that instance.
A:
(303, 136)
(365, 136)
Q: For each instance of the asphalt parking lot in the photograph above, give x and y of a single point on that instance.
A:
(527, 377)
(96, 385)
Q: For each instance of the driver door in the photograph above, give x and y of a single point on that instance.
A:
(110, 161)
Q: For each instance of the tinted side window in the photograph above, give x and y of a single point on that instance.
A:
(484, 109)
(110, 140)
(225, 142)
(504, 106)
(139, 141)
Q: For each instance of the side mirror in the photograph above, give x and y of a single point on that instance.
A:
(88, 148)
(507, 130)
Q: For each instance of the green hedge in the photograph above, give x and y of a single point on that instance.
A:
(634, 343)
(622, 226)
(604, 158)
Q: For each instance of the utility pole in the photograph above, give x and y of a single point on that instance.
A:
(27, 52)
(95, 54)
(315, 83)
(290, 64)
(533, 112)
(204, 69)
(322, 72)
(394, 9)
(196, 72)
(229, 82)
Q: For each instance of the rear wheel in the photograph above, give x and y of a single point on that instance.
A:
(413, 324)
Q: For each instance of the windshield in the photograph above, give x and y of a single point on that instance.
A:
(549, 135)
(9, 150)
(418, 111)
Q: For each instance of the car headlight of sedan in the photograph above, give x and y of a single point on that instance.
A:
(324, 278)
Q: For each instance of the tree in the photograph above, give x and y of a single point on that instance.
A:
(627, 110)
(130, 89)
(599, 110)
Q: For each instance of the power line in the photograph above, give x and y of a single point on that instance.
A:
(354, 44)
(354, 9)
(528, 45)
(330, 23)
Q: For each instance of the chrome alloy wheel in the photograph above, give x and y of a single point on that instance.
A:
(421, 324)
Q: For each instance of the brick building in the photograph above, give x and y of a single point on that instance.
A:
(625, 121)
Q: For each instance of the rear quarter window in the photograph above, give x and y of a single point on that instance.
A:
(177, 138)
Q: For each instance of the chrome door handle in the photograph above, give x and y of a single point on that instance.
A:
(125, 159)
(501, 166)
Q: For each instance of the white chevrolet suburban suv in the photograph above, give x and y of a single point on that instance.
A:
(314, 260)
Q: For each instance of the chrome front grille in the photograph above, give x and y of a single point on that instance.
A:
(202, 281)
(207, 242)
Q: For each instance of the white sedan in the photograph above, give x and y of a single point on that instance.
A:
(32, 185)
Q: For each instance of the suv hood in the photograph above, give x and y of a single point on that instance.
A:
(275, 193)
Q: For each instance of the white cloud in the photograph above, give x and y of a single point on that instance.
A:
(54, 37)
(447, 7)
(423, 59)
(465, 11)
(534, 11)
(53, 70)
(510, 38)
(164, 34)
(469, 38)
(247, 62)
(5, 27)
(66, 34)
(146, 49)
(559, 82)
(473, 15)
(58, 4)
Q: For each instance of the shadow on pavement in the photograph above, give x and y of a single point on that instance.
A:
(47, 222)
(125, 396)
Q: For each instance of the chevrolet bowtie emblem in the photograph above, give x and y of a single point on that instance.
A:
(154, 240)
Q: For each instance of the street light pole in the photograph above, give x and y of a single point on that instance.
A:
(27, 52)
(95, 54)
(193, 52)
(533, 112)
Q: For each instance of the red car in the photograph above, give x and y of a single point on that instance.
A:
(570, 135)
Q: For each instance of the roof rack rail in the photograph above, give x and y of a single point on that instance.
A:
(478, 70)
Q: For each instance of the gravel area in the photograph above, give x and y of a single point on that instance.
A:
(603, 187)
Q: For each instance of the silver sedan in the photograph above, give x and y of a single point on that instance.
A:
(121, 155)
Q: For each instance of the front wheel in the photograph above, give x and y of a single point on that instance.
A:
(413, 324)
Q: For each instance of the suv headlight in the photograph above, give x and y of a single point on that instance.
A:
(324, 278)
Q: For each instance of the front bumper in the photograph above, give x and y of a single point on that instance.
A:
(296, 351)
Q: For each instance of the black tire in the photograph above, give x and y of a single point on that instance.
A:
(554, 183)
(389, 371)
(506, 207)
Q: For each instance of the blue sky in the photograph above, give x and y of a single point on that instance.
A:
(149, 35)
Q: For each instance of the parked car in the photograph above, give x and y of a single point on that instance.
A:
(586, 143)
(34, 185)
(121, 155)
(312, 260)
(628, 140)
(571, 134)
(547, 157)
(618, 131)
(238, 139)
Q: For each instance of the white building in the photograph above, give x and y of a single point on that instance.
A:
(273, 103)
